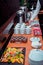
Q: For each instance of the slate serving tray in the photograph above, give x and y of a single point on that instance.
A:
(9, 63)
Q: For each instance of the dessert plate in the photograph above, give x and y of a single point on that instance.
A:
(36, 57)
(36, 45)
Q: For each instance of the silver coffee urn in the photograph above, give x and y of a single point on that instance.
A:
(20, 16)
(24, 9)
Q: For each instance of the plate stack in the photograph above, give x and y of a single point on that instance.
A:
(36, 55)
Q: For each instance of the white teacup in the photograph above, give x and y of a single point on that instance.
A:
(23, 25)
(18, 25)
(28, 30)
(22, 29)
(17, 30)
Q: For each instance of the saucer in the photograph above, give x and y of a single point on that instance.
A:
(33, 39)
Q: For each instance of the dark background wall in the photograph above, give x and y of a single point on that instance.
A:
(7, 8)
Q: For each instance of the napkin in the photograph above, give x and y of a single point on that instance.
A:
(37, 31)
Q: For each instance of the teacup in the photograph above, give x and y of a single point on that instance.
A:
(22, 29)
(28, 30)
(17, 30)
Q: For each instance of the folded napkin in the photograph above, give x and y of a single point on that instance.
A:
(37, 31)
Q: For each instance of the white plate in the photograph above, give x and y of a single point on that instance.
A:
(35, 23)
(33, 39)
(36, 45)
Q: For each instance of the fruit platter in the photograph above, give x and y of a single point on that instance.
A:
(12, 56)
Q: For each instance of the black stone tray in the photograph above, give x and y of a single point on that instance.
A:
(2, 63)
(9, 63)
